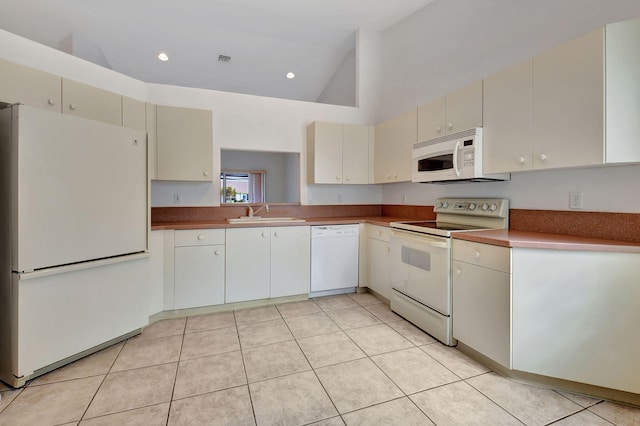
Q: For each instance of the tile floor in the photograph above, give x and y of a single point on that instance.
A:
(328, 361)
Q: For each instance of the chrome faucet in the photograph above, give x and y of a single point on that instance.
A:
(253, 212)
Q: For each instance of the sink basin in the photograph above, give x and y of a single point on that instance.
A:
(260, 219)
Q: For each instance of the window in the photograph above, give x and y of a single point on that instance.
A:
(242, 186)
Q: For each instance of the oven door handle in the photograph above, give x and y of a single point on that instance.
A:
(455, 159)
(422, 239)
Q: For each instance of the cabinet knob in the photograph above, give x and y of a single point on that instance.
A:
(73, 106)
(205, 173)
(217, 252)
(458, 271)
(337, 177)
(200, 237)
(438, 129)
(395, 176)
(348, 178)
(542, 157)
(521, 160)
(476, 254)
(388, 249)
(450, 126)
(388, 177)
(51, 101)
(135, 142)
(275, 234)
(264, 234)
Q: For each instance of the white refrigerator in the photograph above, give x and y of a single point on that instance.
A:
(74, 201)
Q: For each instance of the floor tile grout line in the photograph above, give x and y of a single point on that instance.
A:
(84, 413)
(491, 399)
(244, 368)
(574, 414)
(175, 376)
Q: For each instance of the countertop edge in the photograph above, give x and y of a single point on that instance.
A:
(540, 240)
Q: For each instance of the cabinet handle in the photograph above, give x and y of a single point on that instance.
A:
(348, 178)
(388, 249)
(521, 160)
(73, 106)
(438, 129)
(395, 176)
(450, 126)
(200, 237)
(337, 177)
(388, 177)
(217, 252)
(275, 234)
(51, 101)
(477, 254)
(205, 173)
(264, 234)
(542, 157)
(458, 271)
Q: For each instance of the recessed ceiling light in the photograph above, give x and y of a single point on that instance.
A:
(163, 56)
(290, 75)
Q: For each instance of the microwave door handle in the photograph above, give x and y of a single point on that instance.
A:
(455, 159)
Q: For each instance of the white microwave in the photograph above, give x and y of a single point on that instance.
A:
(452, 158)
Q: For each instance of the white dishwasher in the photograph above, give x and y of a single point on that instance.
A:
(334, 259)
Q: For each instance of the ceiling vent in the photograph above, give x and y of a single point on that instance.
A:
(224, 59)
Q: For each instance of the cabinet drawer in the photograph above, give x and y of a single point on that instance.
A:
(485, 255)
(381, 233)
(199, 237)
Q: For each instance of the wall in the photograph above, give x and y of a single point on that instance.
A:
(604, 189)
(341, 89)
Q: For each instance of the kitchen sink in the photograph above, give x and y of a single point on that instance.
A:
(260, 219)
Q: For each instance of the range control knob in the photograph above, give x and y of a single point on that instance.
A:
(445, 204)
(472, 206)
(438, 204)
(493, 207)
(485, 207)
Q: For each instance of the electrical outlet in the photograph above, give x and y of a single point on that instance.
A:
(575, 200)
(177, 198)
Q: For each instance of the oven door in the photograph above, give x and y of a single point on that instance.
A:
(420, 268)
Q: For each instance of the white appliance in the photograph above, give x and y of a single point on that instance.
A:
(452, 158)
(74, 201)
(334, 259)
(421, 260)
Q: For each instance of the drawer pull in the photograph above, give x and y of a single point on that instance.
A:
(200, 237)
(476, 254)
(217, 252)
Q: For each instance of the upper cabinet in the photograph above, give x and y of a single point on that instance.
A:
(338, 153)
(134, 114)
(568, 103)
(184, 144)
(458, 111)
(29, 86)
(394, 141)
(90, 102)
(508, 120)
(571, 106)
(150, 112)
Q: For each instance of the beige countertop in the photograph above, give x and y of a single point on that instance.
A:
(540, 240)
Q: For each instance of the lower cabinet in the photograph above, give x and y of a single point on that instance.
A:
(267, 262)
(482, 299)
(199, 257)
(379, 260)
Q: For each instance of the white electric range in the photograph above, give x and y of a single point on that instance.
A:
(421, 260)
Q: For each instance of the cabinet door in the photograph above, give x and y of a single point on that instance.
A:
(379, 258)
(29, 86)
(325, 152)
(199, 276)
(568, 103)
(431, 120)
(184, 138)
(248, 264)
(290, 260)
(355, 154)
(508, 120)
(134, 114)
(464, 108)
(90, 102)
(481, 310)
(393, 144)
